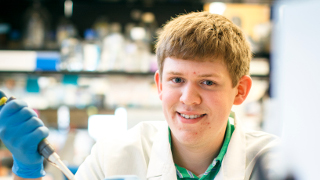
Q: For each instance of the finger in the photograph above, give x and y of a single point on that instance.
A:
(31, 141)
(30, 159)
(19, 117)
(14, 134)
(27, 127)
(13, 106)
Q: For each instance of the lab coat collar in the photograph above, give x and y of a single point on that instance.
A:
(234, 162)
(161, 165)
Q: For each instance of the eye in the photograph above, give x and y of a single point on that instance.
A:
(208, 83)
(177, 80)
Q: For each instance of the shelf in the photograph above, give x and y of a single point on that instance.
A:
(89, 73)
(261, 55)
(259, 76)
(94, 73)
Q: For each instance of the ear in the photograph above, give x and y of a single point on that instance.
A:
(243, 89)
(157, 79)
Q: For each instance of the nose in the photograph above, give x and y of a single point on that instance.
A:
(190, 95)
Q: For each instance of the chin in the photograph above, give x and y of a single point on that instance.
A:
(187, 137)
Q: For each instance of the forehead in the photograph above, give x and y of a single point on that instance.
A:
(205, 66)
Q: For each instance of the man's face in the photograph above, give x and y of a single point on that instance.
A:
(197, 98)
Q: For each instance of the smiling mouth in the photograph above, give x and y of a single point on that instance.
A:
(191, 116)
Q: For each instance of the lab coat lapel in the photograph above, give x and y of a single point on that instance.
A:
(161, 166)
(234, 161)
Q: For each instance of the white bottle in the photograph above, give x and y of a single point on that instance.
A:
(71, 55)
(91, 51)
(112, 57)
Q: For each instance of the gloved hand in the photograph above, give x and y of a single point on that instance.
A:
(21, 131)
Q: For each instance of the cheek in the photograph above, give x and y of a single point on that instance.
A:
(224, 98)
(219, 105)
(214, 100)
(169, 100)
(170, 96)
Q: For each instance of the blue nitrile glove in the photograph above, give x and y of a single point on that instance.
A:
(21, 131)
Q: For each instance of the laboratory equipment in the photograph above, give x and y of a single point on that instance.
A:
(46, 150)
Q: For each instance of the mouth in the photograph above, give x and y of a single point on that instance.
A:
(191, 117)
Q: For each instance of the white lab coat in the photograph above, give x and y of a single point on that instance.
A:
(145, 151)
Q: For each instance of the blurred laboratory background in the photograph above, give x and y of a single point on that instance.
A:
(86, 67)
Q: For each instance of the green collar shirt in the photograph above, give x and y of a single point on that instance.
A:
(214, 167)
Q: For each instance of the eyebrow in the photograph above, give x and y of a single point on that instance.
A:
(173, 73)
(201, 75)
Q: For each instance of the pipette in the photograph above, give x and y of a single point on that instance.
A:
(47, 151)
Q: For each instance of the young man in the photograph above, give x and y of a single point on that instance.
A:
(203, 71)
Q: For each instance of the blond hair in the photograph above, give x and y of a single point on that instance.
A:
(202, 36)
